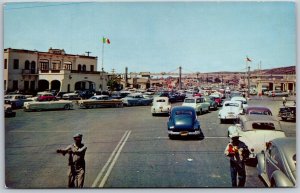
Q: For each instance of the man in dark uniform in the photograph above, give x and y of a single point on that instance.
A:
(238, 152)
(76, 153)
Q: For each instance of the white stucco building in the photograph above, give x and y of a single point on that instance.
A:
(31, 70)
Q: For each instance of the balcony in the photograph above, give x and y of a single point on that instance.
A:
(29, 72)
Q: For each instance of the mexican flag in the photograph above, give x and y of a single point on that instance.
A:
(106, 41)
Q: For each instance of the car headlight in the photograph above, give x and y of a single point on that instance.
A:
(172, 127)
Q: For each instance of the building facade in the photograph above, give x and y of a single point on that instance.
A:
(31, 71)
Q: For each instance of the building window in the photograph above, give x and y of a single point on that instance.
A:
(44, 64)
(83, 68)
(92, 68)
(32, 85)
(4, 84)
(26, 85)
(56, 65)
(32, 67)
(15, 85)
(79, 67)
(5, 63)
(27, 64)
(16, 63)
(67, 65)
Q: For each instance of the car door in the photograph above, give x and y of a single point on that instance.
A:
(273, 161)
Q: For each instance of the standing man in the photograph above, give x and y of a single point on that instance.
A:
(76, 153)
(283, 100)
(238, 152)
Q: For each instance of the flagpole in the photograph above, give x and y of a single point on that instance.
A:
(102, 69)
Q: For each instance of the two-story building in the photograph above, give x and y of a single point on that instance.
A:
(31, 70)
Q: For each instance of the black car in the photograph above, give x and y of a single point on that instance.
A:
(183, 122)
(171, 96)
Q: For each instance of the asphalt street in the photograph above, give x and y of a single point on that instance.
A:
(127, 148)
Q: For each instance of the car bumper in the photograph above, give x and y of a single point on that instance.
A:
(184, 133)
(229, 117)
(160, 111)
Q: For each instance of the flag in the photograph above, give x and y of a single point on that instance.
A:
(248, 59)
(106, 41)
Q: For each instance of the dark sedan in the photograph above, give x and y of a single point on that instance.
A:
(183, 122)
(258, 110)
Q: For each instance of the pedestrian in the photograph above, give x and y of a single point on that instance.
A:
(238, 152)
(283, 100)
(260, 96)
(76, 164)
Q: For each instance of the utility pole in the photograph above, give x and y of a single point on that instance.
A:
(248, 81)
(180, 86)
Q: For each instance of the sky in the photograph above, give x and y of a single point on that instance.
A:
(159, 36)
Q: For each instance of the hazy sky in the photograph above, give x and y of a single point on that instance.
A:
(159, 36)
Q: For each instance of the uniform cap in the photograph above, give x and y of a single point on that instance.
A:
(235, 134)
(77, 135)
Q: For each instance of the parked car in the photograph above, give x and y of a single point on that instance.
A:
(287, 112)
(16, 100)
(242, 99)
(230, 111)
(45, 96)
(97, 101)
(235, 93)
(183, 122)
(276, 93)
(136, 99)
(160, 105)
(71, 96)
(276, 165)
(256, 130)
(48, 105)
(198, 103)
(8, 112)
(257, 110)
(212, 103)
(171, 96)
(190, 93)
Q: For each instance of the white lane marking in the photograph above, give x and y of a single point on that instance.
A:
(113, 163)
(109, 160)
(38, 131)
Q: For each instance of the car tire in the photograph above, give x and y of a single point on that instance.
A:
(221, 121)
(67, 107)
(200, 112)
(171, 137)
(284, 118)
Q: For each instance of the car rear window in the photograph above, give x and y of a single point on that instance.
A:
(161, 100)
(232, 104)
(260, 113)
(189, 100)
(183, 113)
(263, 126)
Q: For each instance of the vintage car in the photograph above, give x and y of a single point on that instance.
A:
(183, 122)
(16, 100)
(230, 111)
(47, 105)
(242, 99)
(217, 98)
(135, 99)
(213, 105)
(256, 130)
(71, 96)
(8, 112)
(257, 110)
(99, 101)
(198, 103)
(276, 166)
(160, 105)
(287, 112)
(276, 93)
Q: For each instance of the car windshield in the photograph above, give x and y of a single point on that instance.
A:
(231, 104)
(189, 101)
(263, 126)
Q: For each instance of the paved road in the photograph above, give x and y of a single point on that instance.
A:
(127, 147)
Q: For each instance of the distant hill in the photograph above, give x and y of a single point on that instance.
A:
(281, 70)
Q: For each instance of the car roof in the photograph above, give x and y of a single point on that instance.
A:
(158, 98)
(256, 107)
(258, 118)
(182, 108)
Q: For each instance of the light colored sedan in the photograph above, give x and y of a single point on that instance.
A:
(230, 111)
(277, 164)
(161, 105)
(198, 103)
(47, 105)
(242, 99)
(256, 130)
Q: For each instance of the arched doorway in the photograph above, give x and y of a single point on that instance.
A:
(43, 85)
(85, 85)
(55, 85)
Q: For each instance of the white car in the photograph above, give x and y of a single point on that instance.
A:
(161, 105)
(47, 105)
(242, 99)
(230, 111)
(256, 130)
(198, 103)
